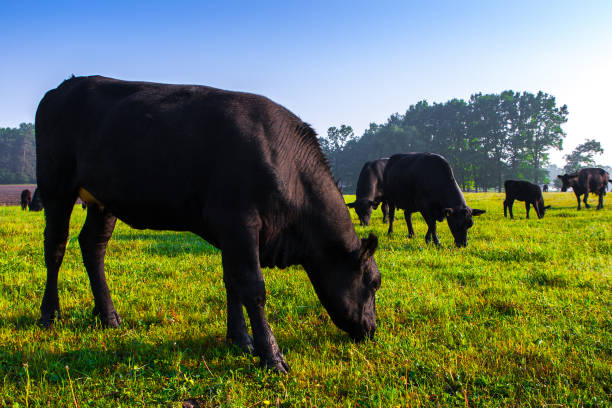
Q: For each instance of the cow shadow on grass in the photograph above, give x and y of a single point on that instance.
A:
(166, 243)
(200, 355)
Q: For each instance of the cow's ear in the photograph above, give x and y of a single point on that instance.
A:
(373, 204)
(368, 247)
(476, 212)
(447, 212)
(560, 176)
(547, 207)
(351, 205)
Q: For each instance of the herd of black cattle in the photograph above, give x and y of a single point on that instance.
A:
(246, 175)
(424, 182)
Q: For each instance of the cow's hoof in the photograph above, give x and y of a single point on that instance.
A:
(245, 343)
(275, 363)
(109, 319)
(47, 319)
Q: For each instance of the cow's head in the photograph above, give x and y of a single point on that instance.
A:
(541, 208)
(459, 221)
(348, 292)
(363, 207)
(568, 181)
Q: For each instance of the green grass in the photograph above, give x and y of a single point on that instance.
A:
(521, 317)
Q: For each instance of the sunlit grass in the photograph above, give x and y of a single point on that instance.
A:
(521, 317)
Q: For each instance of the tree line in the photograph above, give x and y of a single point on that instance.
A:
(487, 139)
(17, 155)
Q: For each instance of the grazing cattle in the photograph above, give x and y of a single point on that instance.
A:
(524, 191)
(370, 191)
(594, 180)
(237, 169)
(36, 204)
(424, 182)
(26, 198)
(545, 188)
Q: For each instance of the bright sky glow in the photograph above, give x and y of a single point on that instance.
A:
(331, 63)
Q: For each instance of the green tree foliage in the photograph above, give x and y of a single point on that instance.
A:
(334, 144)
(487, 139)
(17, 155)
(582, 156)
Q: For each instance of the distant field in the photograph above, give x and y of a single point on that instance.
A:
(521, 317)
(10, 194)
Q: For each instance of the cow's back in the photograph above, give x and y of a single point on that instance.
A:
(159, 156)
(416, 180)
(522, 190)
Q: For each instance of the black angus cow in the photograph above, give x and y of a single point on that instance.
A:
(26, 198)
(36, 204)
(524, 191)
(545, 188)
(424, 182)
(370, 191)
(237, 169)
(594, 180)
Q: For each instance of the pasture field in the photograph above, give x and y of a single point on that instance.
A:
(521, 317)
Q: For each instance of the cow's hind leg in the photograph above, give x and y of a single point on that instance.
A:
(408, 217)
(93, 239)
(586, 197)
(602, 192)
(578, 199)
(57, 217)
(245, 284)
(391, 218)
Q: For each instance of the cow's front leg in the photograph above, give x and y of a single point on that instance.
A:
(527, 209)
(578, 199)
(244, 280)
(431, 231)
(601, 197)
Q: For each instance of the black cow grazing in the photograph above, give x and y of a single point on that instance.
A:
(524, 191)
(545, 188)
(424, 182)
(237, 169)
(26, 198)
(370, 191)
(36, 204)
(594, 180)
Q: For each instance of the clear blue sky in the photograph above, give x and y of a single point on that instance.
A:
(329, 62)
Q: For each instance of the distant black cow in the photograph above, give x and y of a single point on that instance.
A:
(36, 204)
(26, 198)
(237, 169)
(370, 191)
(424, 182)
(524, 191)
(594, 180)
(545, 188)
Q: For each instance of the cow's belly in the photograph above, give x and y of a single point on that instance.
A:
(177, 212)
